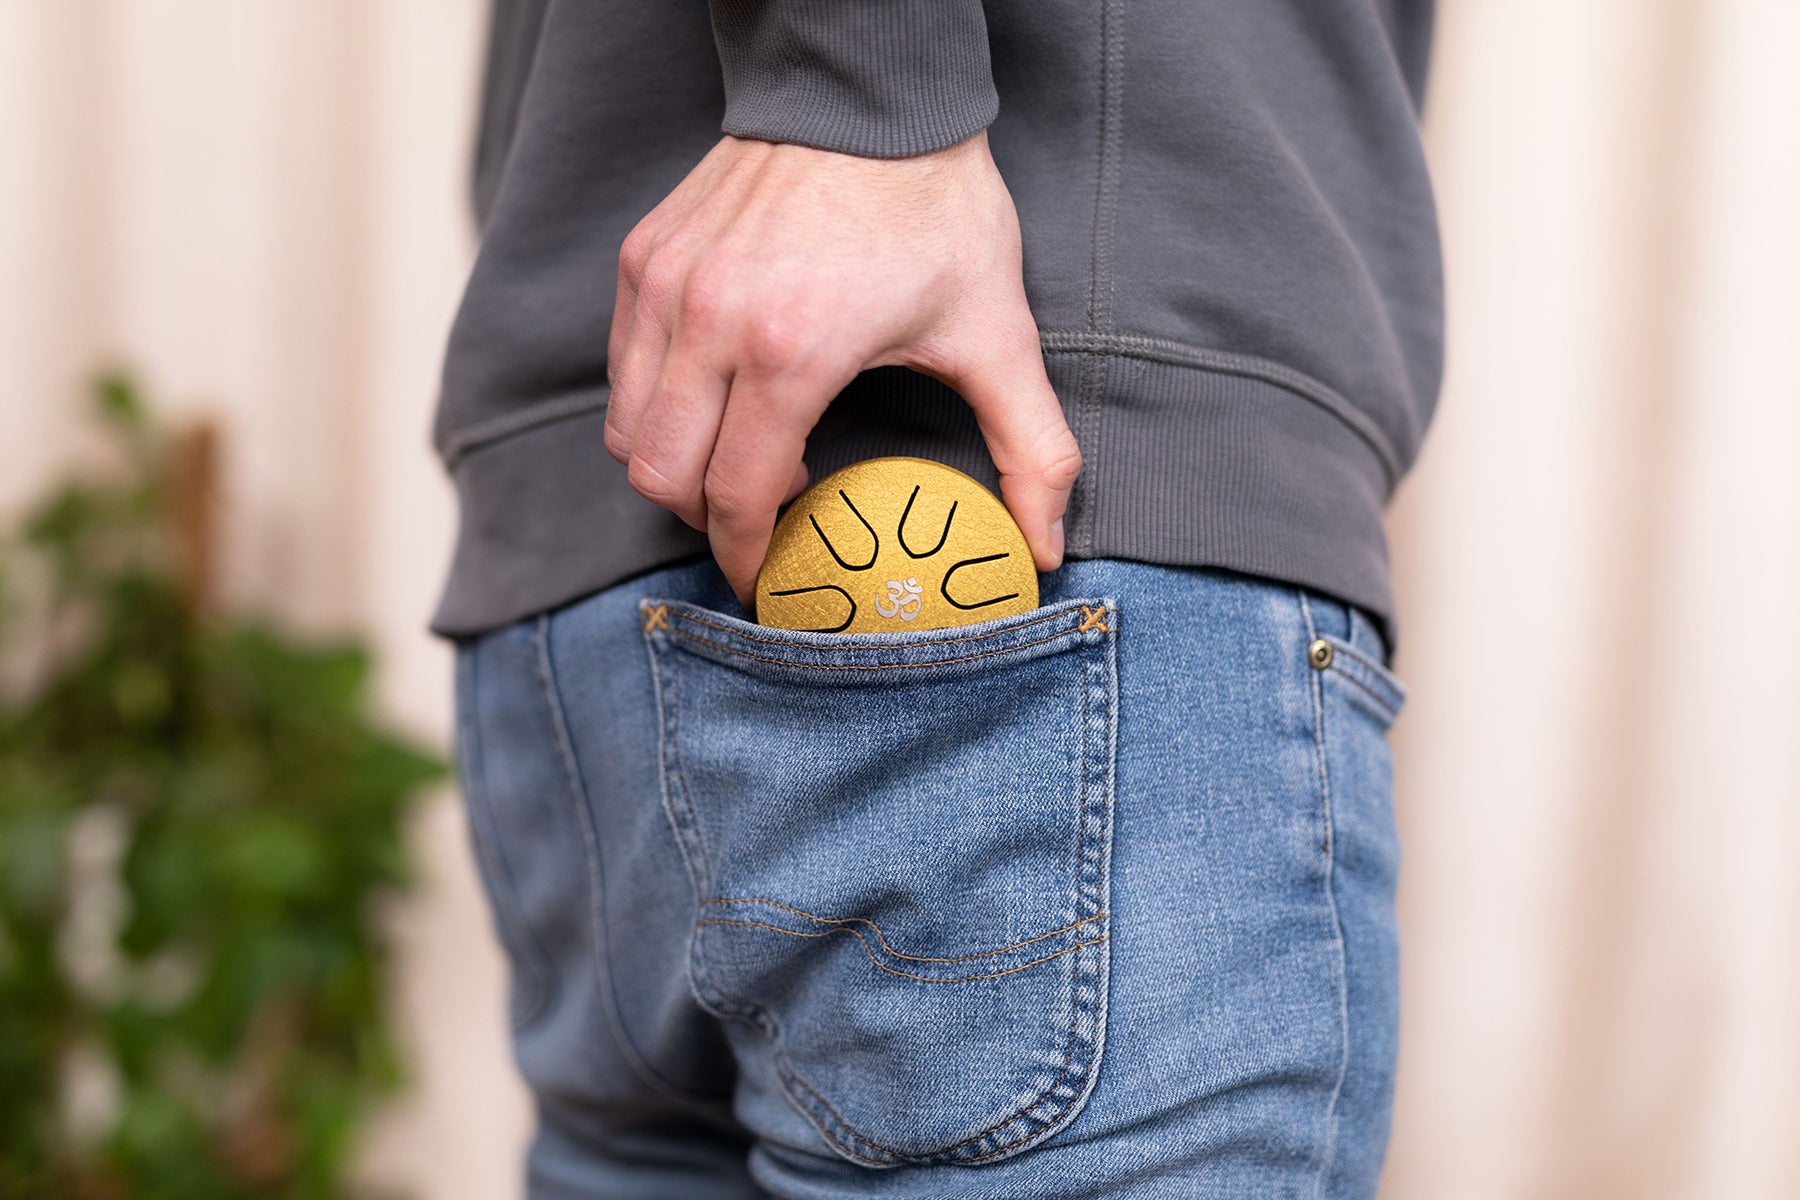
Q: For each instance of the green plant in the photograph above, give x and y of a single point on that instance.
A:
(197, 821)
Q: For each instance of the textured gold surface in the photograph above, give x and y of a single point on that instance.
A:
(894, 544)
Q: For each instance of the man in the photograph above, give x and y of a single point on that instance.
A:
(1094, 901)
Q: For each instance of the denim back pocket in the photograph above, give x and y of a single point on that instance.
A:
(900, 844)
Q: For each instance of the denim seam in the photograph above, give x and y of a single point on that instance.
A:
(666, 730)
(685, 823)
(683, 818)
(536, 960)
(791, 643)
(882, 938)
(578, 798)
(707, 872)
(1316, 691)
(1354, 666)
(936, 662)
(1368, 676)
(869, 951)
(1364, 658)
(1375, 664)
(1102, 688)
(1388, 711)
(1050, 1123)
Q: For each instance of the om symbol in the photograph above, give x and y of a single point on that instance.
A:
(902, 599)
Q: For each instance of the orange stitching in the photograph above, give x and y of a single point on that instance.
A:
(904, 974)
(1093, 619)
(657, 618)
(936, 662)
(866, 645)
(882, 938)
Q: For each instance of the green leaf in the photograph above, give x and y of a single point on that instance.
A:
(116, 396)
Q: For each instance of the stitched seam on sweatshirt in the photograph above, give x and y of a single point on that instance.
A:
(1101, 276)
(1225, 362)
(1091, 343)
(495, 429)
(1106, 188)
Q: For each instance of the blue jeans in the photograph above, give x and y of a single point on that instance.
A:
(1093, 901)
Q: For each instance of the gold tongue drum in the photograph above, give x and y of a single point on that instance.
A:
(893, 545)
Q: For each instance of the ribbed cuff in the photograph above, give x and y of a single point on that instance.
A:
(877, 78)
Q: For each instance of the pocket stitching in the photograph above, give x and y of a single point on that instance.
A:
(936, 662)
(1349, 662)
(776, 641)
(669, 727)
(1387, 708)
(882, 938)
(908, 974)
(1368, 661)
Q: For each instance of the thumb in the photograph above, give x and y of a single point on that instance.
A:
(1000, 373)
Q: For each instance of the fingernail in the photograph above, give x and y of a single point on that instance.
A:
(1056, 538)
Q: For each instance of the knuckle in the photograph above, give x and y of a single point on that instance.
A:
(1051, 458)
(938, 353)
(653, 483)
(778, 337)
(1064, 463)
(705, 296)
(634, 254)
(660, 283)
(617, 442)
(724, 497)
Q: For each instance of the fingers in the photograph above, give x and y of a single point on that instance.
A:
(654, 264)
(666, 432)
(639, 341)
(672, 442)
(1001, 375)
(634, 256)
(756, 465)
(801, 478)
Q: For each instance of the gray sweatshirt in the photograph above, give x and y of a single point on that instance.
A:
(1229, 240)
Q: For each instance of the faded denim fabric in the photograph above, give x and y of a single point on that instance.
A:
(1092, 901)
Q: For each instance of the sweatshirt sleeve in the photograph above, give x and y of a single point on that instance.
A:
(877, 78)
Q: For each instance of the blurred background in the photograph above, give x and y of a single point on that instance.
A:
(259, 209)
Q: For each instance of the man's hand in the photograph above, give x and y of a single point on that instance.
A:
(774, 274)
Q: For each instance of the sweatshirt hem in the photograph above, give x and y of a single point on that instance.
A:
(1226, 362)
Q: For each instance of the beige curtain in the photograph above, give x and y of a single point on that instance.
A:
(260, 206)
(1600, 567)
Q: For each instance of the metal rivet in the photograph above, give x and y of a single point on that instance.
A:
(1320, 654)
